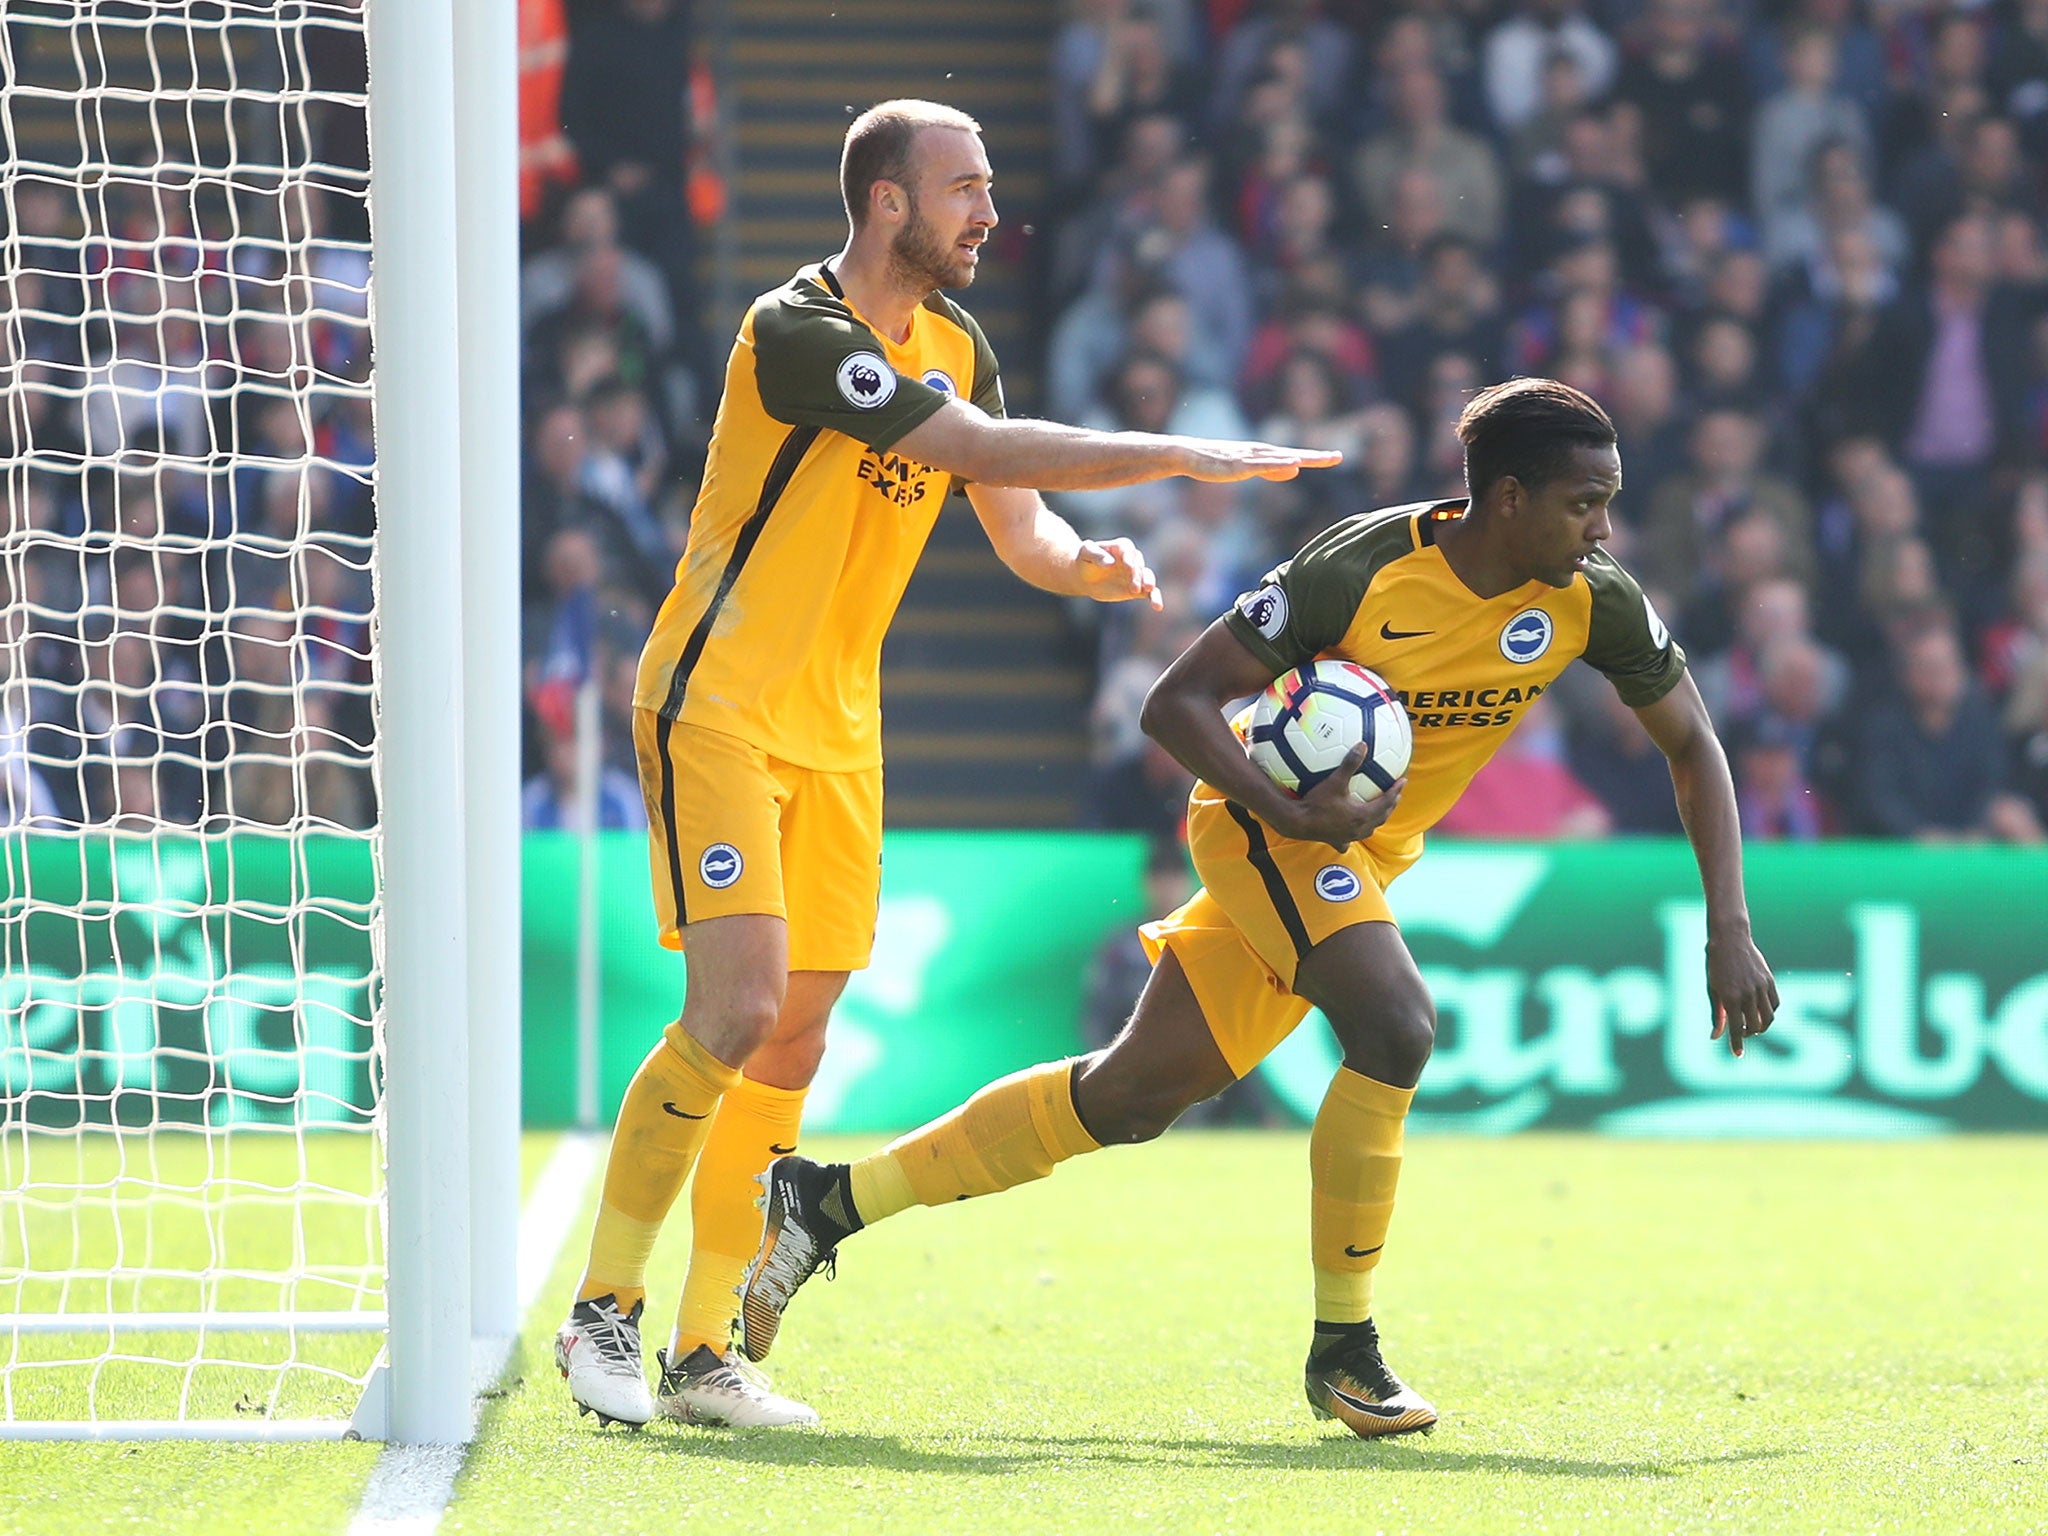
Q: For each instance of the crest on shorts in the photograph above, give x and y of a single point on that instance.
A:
(1336, 883)
(720, 865)
(866, 380)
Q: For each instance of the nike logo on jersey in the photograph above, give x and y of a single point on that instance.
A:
(1361, 1253)
(680, 1114)
(780, 1151)
(1388, 632)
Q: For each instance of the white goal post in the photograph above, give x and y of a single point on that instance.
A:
(259, 1050)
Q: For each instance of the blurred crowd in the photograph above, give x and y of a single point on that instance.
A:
(617, 389)
(1797, 250)
(1795, 246)
(187, 441)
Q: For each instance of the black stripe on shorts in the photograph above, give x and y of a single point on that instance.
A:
(662, 726)
(1276, 884)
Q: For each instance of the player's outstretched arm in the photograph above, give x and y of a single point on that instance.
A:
(1184, 714)
(1740, 989)
(1043, 548)
(1045, 456)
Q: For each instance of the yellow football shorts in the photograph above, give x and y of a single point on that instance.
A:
(1265, 901)
(731, 829)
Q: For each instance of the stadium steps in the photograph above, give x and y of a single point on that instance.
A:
(797, 71)
(985, 693)
(985, 686)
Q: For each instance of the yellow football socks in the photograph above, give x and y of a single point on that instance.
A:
(661, 1128)
(755, 1125)
(1017, 1129)
(1354, 1156)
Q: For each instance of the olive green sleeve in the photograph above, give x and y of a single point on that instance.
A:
(816, 365)
(1625, 639)
(985, 389)
(1303, 606)
(988, 374)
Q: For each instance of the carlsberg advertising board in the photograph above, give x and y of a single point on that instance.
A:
(1570, 984)
(1570, 992)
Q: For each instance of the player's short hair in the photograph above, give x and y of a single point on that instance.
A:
(1528, 428)
(878, 145)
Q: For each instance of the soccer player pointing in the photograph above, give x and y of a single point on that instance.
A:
(856, 394)
(1469, 609)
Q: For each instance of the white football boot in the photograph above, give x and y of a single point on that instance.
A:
(598, 1354)
(708, 1388)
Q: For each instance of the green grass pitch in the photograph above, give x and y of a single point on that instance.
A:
(165, 1210)
(1621, 1336)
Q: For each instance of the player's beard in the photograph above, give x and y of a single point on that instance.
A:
(921, 259)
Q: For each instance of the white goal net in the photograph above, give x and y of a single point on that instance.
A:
(190, 1056)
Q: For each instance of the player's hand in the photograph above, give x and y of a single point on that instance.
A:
(1116, 572)
(1223, 461)
(1328, 814)
(1740, 989)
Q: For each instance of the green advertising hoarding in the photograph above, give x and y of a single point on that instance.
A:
(1570, 992)
(1569, 983)
(185, 980)
(981, 953)
(230, 979)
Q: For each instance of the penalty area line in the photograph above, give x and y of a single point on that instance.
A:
(411, 1485)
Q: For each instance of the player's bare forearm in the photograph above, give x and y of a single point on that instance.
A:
(1042, 547)
(1678, 723)
(1706, 805)
(1047, 456)
(1028, 536)
(1739, 983)
(1184, 714)
(1187, 720)
(1050, 457)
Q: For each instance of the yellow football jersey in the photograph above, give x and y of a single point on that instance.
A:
(807, 526)
(1376, 589)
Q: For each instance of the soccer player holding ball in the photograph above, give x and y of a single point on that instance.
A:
(856, 394)
(1468, 609)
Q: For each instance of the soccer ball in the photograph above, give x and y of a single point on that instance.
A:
(1307, 719)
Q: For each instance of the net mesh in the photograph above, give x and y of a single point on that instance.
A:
(189, 1055)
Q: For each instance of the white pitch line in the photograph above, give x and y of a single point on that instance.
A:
(408, 1490)
(552, 1208)
(411, 1485)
